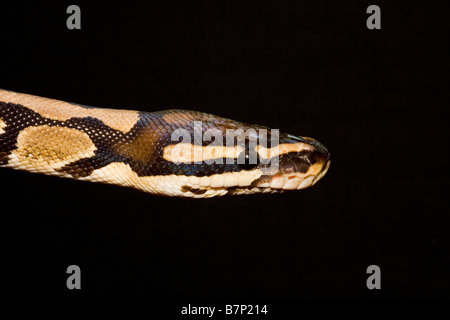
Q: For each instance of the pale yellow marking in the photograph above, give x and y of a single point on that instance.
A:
(122, 120)
(170, 185)
(308, 179)
(316, 168)
(44, 148)
(321, 174)
(2, 125)
(281, 149)
(234, 179)
(188, 153)
(205, 181)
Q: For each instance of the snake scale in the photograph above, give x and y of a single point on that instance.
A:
(172, 152)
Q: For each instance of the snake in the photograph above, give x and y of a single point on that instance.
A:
(174, 152)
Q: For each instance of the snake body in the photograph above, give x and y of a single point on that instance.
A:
(153, 152)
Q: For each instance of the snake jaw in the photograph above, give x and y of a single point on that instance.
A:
(279, 183)
(294, 181)
(298, 169)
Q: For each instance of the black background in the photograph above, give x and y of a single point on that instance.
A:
(375, 98)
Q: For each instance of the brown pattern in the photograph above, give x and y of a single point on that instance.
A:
(122, 120)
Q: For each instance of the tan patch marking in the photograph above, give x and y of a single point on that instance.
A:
(142, 147)
(281, 149)
(188, 153)
(46, 147)
(2, 125)
(122, 120)
(179, 117)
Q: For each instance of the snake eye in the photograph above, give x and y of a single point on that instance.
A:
(248, 159)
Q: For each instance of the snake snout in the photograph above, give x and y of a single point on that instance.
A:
(306, 163)
(320, 151)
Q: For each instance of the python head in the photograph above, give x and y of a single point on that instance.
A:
(219, 156)
(178, 153)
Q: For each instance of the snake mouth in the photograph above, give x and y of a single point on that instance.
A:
(297, 164)
(294, 180)
(298, 170)
(281, 182)
(292, 175)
